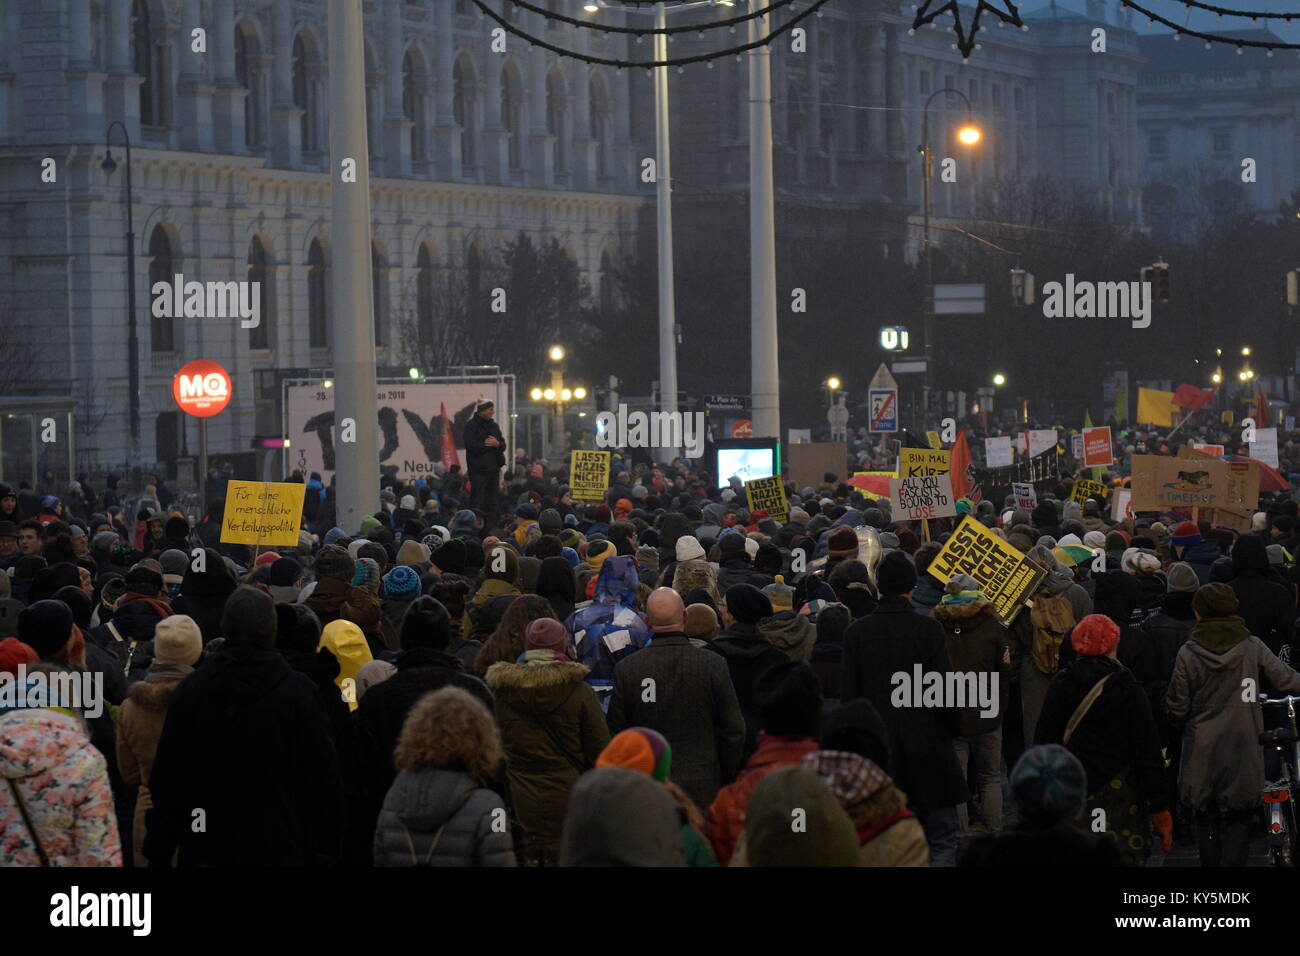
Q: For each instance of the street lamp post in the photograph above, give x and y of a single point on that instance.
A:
(764, 370)
(558, 395)
(927, 170)
(133, 346)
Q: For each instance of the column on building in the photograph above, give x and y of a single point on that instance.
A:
(227, 95)
(286, 118)
(122, 89)
(397, 128)
(193, 91)
(446, 134)
(893, 93)
(496, 152)
(541, 171)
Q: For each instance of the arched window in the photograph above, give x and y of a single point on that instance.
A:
(413, 104)
(162, 268)
(599, 101)
(424, 294)
(378, 273)
(259, 271)
(318, 329)
(303, 97)
(512, 112)
(465, 106)
(248, 75)
(557, 119)
(149, 57)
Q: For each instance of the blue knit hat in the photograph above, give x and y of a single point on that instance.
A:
(571, 556)
(366, 574)
(1049, 784)
(402, 583)
(334, 533)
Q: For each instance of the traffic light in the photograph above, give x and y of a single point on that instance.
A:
(1160, 275)
(1022, 287)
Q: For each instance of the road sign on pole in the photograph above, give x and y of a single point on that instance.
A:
(882, 401)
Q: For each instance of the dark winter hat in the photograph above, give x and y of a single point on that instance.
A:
(896, 574)
(10, 530)
(1049, 784)
(550, 521)
(830, 838)
(297, 628)
(857, 727)
(50, 579)
(526, 511)
(501, 563)
(376, 552)
(177, 527)
(747, 603)
(284, 572)
(1249, 554)
(546, 633)
(789, 700)
(731, 543)
(248, 619)
(832, 622)
(1185, 534)
(335, 562)
(1181, 577)
(78, 602)
(45, 627)
(426, 624)
(1212, 600)
(843, 542)
(144, 580)
(450, 558)
(174, 561)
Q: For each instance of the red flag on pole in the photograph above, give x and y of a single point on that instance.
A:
(1262, 418)
(960, 465)
(449, 456)
(1193, 398)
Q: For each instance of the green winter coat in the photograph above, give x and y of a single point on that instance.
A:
(542, 771)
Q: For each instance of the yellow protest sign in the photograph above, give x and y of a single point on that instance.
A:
(933, 438)
(1085, 488)
(263, 513)
(589, 474)
(922, 461)
(768, 494)
(1006, 576)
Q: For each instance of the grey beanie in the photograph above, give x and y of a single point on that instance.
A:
(249, 618)
(1181, 577)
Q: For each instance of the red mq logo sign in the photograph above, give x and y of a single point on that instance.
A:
(201, 388)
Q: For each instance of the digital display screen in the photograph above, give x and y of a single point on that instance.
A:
(745, 463)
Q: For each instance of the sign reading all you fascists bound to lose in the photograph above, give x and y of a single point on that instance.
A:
(922, 496)
(768, 494)
(1006, 576)
(589, 474)
(266, 513)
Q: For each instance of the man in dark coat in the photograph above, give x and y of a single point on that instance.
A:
(246, 751)
(747, 652)
(485, 456)
(693, 703)
(893, 639)
(423, 665)
(1266, 606)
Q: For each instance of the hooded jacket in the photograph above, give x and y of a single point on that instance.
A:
(978, 644)
(747, 653)
(139, 725)
(792, 634)
(552, 730)
(726, 820)
(1222, 761)
(63, 782)
(596, 830)
(203, 595)
(1266, 606)
(610, 628)
(439, 817)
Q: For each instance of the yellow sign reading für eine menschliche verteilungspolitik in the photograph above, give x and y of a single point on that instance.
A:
(263, 513)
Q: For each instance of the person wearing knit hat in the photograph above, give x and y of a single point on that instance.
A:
(1115, 734)
(366, 574)
(896, 575)
(842, 543)
(46, 627)
(688, 548)
(177, 643)
(548, 634)
(372, 673)
(1094, 539)
(769, 839)
(598, 552)
(413, 554)
(402, 583)
(450, 557)
(792, 634)
(14, 652)
(370, 523)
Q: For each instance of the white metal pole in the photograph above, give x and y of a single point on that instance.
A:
(357, 461)
(664, 208)
(765, 376)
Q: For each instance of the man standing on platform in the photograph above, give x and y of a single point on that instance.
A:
(485, 456)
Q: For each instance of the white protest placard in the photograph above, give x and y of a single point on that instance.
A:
(1076, 446)
(1026, 496)
(1121, 504)
(922, 496)
(1264, 447)
(997, 451)
(1040, 440)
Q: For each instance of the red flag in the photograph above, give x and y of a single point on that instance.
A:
(449, 456)
(1193, 398)
(960, 466)
(1262, 418)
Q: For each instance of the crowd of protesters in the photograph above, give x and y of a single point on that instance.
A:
(505, 676)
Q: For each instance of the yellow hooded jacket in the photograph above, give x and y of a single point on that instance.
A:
(346, 642)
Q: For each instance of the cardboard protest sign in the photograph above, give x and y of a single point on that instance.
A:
(1238, 519)
(1264, 447)
(922, 496)
(1025, 494)
(264, 513)
(1121, 505)
(1097, 449)
(1006, 576)
(1040, 440)
(589, 474)
(768, 494)
(1076, 446)
(1085, 488)
(922, 461)
(1161, 483)
(997, 451)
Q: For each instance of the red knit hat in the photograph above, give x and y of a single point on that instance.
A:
(266, 557)
(1095, 635)
(14, 652)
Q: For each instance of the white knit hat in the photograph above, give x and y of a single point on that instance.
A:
(689, 548)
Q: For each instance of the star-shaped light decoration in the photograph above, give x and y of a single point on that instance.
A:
(966, 37)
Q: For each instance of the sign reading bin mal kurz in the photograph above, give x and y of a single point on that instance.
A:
(1006, 576)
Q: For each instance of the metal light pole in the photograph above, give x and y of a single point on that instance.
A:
(350, 278)
(764, 374)
(664, 210)
(133, 344)
(927, 169)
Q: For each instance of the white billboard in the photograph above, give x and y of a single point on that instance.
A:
(410, 423)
